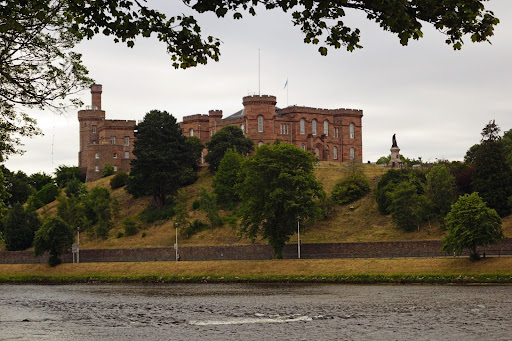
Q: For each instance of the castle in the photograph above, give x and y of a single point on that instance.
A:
(330, 134)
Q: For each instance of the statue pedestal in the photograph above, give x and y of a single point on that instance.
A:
(395, 161)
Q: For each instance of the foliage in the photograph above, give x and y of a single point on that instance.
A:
(463, 173)
(19, 228)
(278, 188)
(440, 190)
(193, 228)
(130, 227)
(4, 195)
(46, 195)
(196, 204)
(162, 158)
(75, 188)
(208, 204)
(98, 210)
(119, 180)
(226, 178)
(470, 156)
(72, 211)
(471, 224)
(350, 188)
(181, 208)
(507, 146)
(18, 186)
(152, 214)
(384, 160)
(387, 184)
(63, 174)
(55, 236)
(108, 170)
(229, 137)
(492, 178)
(38, 180)
(409, 209)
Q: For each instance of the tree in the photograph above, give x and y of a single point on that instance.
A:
(408, 207)
(55, 236)
(277, 188)
(492, 178)
(46, 195)
(75, 188)
(119, 180)
(162, 158)
(351, 187)
(108, 170)
(98, 210)
(208, 204)
(226, 179)
(38, 180)
(229, 137)
(20, 226)
(65, 173)
(440, 190)
(384, 160)
(470, 156)
(18, 186)
(471, 224)
(387, 184)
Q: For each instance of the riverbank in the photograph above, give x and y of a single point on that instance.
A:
(402, 270)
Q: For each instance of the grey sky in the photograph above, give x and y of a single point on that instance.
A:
(435, 99)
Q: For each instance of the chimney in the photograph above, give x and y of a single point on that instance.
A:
(96, 90)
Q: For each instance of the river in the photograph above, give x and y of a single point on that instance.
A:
(254, 312)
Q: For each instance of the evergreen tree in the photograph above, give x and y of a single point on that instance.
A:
(163, 156)
(440, 190)
(226, 179)
(492, 178)
(20, 226)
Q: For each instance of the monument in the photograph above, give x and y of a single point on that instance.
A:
(395, 161)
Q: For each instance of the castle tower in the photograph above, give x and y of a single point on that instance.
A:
(259, 113)
(89, 118)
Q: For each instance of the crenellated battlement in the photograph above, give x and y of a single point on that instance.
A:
(196, 117)
(259, 99)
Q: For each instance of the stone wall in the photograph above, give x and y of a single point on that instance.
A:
(258, 252)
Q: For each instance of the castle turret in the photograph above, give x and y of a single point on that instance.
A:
(215, 120)
(259, 112)
(96, 91)
(89, 119)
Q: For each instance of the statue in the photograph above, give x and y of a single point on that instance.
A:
(394, 141)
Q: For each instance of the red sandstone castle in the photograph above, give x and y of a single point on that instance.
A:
(331, 134)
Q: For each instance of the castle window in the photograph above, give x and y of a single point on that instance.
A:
(352, 153)
(303, 146)
(115, 168)
(242, 127)
(284, 129)
(336, 132)
(335, 153)
(260, 144)
(302, 126)
(97, 168)
(127, 141)
(112, 140)
(326, 128)
(97, 155)
(115, 155)
(352, 130)
(313, 127)
(191, 132)
(260, 124)
(94, 129)
(126, 155)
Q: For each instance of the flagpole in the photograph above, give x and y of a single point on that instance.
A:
(259, 74)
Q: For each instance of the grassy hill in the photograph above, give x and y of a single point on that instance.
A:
(363, 222)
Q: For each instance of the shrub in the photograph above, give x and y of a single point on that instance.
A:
(19, 228)
(130, 227)
(46, 195)
(143, 235)
(75, 188)
(193, 228)
(152, 214)
(108, 170)
(351, 188)
(196, 204)
(119, 180)
(120, 234)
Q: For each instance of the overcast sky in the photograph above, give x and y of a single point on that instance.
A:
(435, 99)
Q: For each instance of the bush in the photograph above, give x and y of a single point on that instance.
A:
(19, 228)
(193, 228)
(46, 195)
(119, 180)
(108, 170)
(75, 188)
(130, 227)
(120, 234)
(196, 204)
(152, 214)
(351, 188)
(55, 236)
(143, 235)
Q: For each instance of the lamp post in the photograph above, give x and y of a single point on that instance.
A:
(298, 238)
(176, 244)
(78, 245)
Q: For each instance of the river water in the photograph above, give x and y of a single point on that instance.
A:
(254, 312)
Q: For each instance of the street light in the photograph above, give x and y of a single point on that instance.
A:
(298, 238)
(176, 244)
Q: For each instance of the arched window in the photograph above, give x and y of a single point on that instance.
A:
(303, 146)
(97, 155)
(302, 126)
(260, 124)
(352, 129)
(191, 132)
(260, 144)
(352, 153)
(313, 127)
(335, 153)
(326, 128)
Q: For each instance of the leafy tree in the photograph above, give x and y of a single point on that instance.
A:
(470, 156)
(98, 210)
(119, 180)
(384, 160)
(72, 211)
(38, 180)
(162, 158)
(463, 173)
(181, 208)
(471, 224)
(229, 137)
(55, 236)
(278, 188)
(350, 188)
(387, 184)
(492, 178)
(75, 188)
(18, 186)
(208, 204)
(408, 207)
(20, 226)
(65, 173)
(226, 179)
(440, 190)
(108, 170)
(46, 195)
